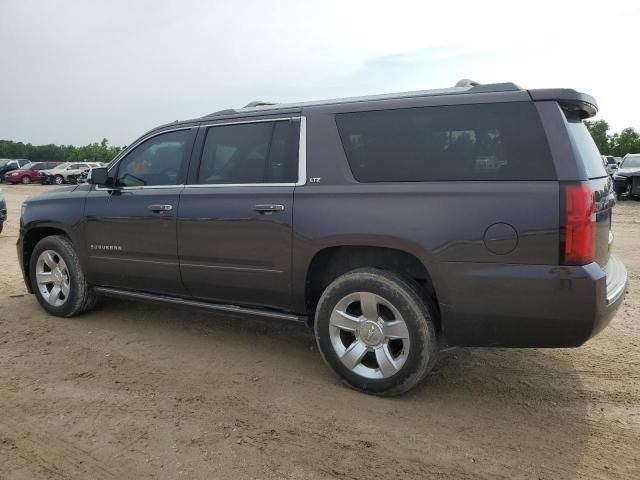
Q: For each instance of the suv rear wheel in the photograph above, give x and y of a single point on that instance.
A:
(376, 331)
(57, 278)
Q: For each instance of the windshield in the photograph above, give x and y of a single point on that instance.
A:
(632, 161)
(62, 165)
(29, 166)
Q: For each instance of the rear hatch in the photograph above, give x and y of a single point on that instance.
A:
(587, 209)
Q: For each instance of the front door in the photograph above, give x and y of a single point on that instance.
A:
(130, 229)
(235, 219)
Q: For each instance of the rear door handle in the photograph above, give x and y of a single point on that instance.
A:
(160, 208)
(268, 208)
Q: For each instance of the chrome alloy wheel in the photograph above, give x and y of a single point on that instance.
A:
(369, 335)
(52, 277)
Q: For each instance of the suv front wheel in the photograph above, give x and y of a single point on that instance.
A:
(57, 278)
(375, 329)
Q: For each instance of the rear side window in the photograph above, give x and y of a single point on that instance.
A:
(260, 152)
(585, 148)
(500, 141)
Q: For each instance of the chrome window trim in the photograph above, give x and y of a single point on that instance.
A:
(302, 157)
(141, 187)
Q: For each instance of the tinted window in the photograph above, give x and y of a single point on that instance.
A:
(161, 160)
(262, 152)
(586, 149)
(502, 141)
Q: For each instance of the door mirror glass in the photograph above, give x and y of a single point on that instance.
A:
(99, 176)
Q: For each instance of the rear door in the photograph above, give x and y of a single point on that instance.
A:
(130, 229)
(235, 216)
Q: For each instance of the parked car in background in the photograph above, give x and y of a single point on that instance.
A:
(8, 164)
(627, 178)
(61, 173)
(29, 172)
(3, 210)
(473, 216)
(610, 164)
(80, 177)
(618, 160)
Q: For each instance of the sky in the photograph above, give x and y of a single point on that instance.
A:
(77, 71)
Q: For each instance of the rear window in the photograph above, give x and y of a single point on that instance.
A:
(499, 141)
(585, 149)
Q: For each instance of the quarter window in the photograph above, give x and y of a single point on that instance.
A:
(501, 141)
(161, 160)
(261, 152)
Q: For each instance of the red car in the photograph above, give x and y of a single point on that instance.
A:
(29, 172)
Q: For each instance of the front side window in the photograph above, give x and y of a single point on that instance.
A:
(161, 160)
(261, 152)
(501, 141)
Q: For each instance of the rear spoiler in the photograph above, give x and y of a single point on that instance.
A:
(585, 106)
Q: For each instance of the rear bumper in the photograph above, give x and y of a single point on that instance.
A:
(531, 305)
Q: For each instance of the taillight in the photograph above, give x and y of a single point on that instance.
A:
(580, 224)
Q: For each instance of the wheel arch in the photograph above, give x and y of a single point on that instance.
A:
(30, 239)
(330, 262)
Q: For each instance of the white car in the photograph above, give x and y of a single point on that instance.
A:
(610, 164)
(60, 174)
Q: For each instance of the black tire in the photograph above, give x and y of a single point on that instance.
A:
(81, 297)
(25, 180)
(58, 179)
(417, 312)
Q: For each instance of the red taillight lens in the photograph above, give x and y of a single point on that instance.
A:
(580, 225)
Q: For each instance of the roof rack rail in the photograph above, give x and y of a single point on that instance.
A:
(464, 86)
(465, 82)
(259, 103)
(475, 87)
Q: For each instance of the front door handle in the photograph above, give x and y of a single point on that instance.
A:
(160, 208)
(268, 208)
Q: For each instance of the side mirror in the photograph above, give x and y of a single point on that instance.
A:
(99, 176)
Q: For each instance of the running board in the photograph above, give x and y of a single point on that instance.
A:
(216, 307)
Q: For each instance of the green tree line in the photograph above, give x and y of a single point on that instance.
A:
(94, 152)
(616, 144)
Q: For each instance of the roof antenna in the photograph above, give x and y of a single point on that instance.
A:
(465, 82)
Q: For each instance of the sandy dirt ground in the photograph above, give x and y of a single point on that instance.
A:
(135, 390)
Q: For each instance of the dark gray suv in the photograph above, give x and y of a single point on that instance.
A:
(477, 215)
